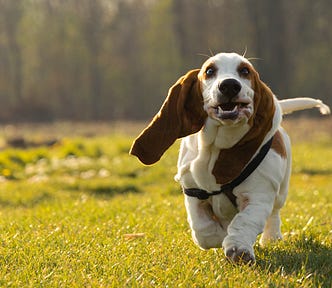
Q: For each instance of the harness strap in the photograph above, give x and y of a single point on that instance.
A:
(228, 188)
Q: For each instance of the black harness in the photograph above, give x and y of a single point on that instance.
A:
(228, 188)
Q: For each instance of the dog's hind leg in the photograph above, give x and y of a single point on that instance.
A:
(272, 229)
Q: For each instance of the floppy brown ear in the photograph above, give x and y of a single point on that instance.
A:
(181, 114)
(264, 106)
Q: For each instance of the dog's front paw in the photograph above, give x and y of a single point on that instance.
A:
(239, 252)
(240, 256)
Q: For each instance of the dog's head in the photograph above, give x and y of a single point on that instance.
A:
(227, 88)
(227, 84)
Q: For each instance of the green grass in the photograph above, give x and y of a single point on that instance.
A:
(66, 212)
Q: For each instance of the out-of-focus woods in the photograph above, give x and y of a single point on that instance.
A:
(115, 59)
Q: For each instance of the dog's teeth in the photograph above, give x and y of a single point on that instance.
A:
(220, 110)
(235, 108)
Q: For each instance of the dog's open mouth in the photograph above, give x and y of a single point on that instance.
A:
(230, 110)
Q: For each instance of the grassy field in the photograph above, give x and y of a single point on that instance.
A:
(83, 213)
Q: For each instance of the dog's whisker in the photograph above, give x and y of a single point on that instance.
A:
(245, 51)
(211, 52)
(204, 55)
(255, 58)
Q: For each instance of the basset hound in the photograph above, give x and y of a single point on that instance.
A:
(234, 162)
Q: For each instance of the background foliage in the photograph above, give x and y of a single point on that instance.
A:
(115, 59)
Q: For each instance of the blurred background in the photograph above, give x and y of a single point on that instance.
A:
(87, 60)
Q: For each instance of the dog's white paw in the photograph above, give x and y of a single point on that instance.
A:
(238, 251)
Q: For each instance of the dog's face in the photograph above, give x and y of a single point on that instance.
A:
(227, 88)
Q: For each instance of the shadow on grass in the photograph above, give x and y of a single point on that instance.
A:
(306, 256)
(313, 172)
(113, 190)
(26, 203)
(105, 190)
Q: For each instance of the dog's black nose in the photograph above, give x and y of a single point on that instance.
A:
(230, 88)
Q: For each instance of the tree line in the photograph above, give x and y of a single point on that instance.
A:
(116, 59)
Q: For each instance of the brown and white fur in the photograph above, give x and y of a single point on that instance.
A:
(226, 114)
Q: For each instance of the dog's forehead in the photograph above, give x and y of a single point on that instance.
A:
(226, 62)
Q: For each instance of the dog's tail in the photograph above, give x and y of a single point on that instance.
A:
(296, 104)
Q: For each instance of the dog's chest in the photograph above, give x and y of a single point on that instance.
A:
(201, 169)
(210, 140)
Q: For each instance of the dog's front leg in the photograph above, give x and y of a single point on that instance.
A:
(207, 232)
(245, 227)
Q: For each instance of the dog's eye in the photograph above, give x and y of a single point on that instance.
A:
(244, 71)
(210, 71)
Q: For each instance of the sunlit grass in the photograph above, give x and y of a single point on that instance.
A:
(85, 213)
